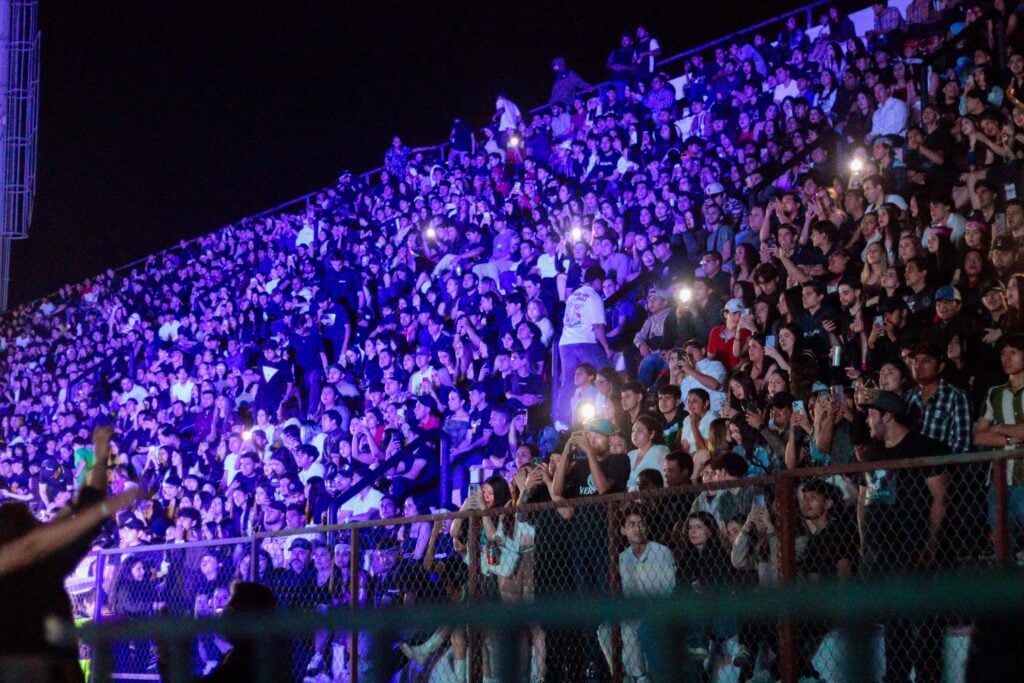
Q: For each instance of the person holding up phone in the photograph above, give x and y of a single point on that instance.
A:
(727, 342)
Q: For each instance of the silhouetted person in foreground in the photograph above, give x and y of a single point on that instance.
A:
(34, 560)
(242, 662)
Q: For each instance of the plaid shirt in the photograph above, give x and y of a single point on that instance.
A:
(946, 417)
(890, 20)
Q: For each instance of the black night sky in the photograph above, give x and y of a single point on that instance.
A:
(166, 120)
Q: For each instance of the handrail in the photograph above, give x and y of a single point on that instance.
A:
(785, 485)
(957, 459)
(433, 435)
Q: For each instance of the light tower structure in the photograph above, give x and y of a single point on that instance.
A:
(19, 122)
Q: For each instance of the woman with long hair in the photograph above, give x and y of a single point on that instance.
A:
(748, 132)
(826, 91)
(790, 343)
(775, 383)
(908, 247)
(717, 441)
(941, 256)
(650, 448)
(608, 402)
(759, 363)
(890, 224)
(974, 270)
(742, 395)
(749, 443)
(859, 119)
(704, 565)
(745, 260)
(976, 236)
(414, 537)
(1015, 296)
(790, 307)
(903, 82)
(876, 262)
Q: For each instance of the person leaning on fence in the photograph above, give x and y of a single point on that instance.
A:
(755, 555)
(902, 513)
(1001, 425)
(830, 552)
(705, 565)
(645, 568)
(586, 469)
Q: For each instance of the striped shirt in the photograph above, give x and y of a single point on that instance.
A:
(946, 417)
(1004, 406)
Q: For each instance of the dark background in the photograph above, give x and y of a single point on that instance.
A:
(161, 121)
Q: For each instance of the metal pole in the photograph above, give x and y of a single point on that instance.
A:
(101, 563)
(254, 565)
(472, 636)
(446, 471)
(1001, 531)
(353, 601)
(785, 495)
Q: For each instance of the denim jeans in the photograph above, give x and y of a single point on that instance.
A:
(650, 367)
(1014, 514)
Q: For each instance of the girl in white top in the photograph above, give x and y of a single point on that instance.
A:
(650, 450)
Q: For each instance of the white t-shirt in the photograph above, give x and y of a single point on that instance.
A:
(784, 90)
(360, 505)
(510, 115)
(314, 470)
(704, 427)
(583, 310)
(711, 368)
(183, 392)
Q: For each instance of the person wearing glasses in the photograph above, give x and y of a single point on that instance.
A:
(711, 268)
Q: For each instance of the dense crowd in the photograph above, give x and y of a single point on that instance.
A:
(799, 252)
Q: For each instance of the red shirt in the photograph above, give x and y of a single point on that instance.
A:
(720, 348)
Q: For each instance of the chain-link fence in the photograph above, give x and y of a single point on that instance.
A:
(854, 523)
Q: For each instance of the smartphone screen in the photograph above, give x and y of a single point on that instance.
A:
(770, 341)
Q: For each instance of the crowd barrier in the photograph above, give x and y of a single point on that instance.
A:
(519, 555)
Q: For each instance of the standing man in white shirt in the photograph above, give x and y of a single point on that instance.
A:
(646, 568)
(583, 337)
(507, 116)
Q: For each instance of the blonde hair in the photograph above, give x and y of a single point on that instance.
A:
(865, 273)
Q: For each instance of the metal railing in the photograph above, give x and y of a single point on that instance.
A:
(366, 579)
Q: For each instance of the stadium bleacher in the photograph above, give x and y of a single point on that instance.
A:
(797, 246)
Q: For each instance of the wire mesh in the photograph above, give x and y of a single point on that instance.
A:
(509, 546)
